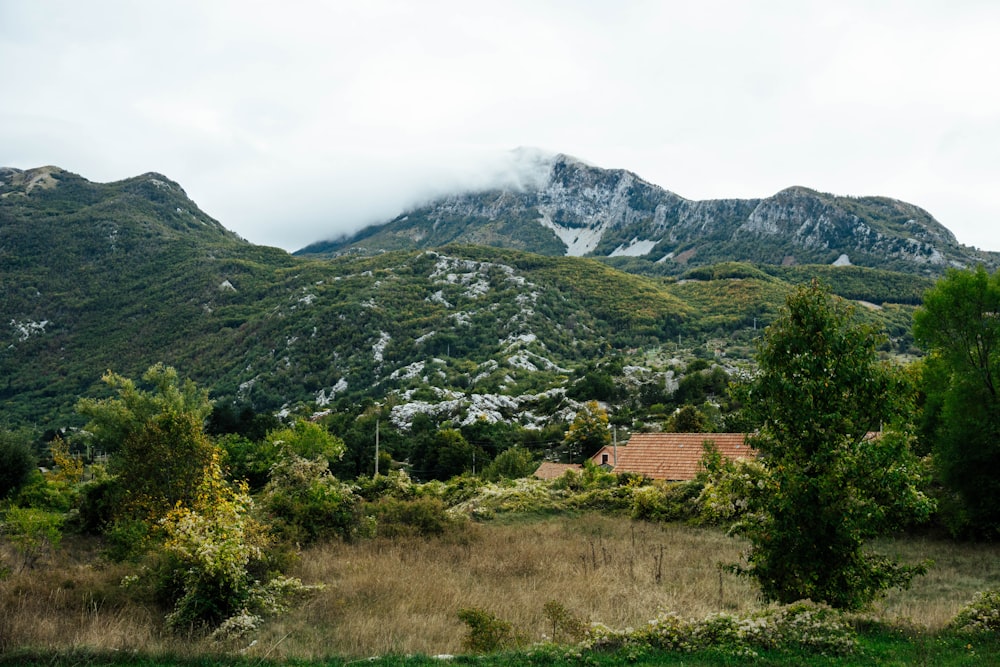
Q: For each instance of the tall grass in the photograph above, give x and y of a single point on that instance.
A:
(403, 595)
(956, 573)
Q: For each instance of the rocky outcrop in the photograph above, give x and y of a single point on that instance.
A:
(579, 209)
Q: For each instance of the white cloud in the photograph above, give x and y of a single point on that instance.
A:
(298, 121)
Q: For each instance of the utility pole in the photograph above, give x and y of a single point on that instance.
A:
(614, 440)
(376, 447)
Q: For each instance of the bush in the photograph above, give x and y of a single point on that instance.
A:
(420, 516)
(309, 504)
(980, 615)
(564, 622)
(394, 484)
(801, 627)
(512, 496)
(616, 499)
(216, 550)
(665, 502)
(487, 633)
(97, 503)
(128, 540)
(247, 460)
(50, 495)
(727, 491)
(34, 533)
(512, 463)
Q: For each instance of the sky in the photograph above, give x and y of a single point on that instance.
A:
(296, 121)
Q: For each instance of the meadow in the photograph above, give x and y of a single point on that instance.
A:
(402, 596)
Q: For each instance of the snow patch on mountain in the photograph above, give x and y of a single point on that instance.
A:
(578, 240)
(635, 248)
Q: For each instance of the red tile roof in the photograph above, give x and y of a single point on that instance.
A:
(674, 456)
(549, 470)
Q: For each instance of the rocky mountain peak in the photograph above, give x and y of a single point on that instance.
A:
(564, 206)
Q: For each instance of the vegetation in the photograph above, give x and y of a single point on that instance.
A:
(157, 435)
(418, 391)
(394, 596)
(102, 266)
(17, 462)
(834, 478)
(958, 324)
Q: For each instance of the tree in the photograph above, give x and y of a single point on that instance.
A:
(113, 420)
(308, 440)
(17, 462)
(831, 485)
(453, 454)
(687, 419)
(588, 432)
(959, 326)
(512, 463)
(161, 451)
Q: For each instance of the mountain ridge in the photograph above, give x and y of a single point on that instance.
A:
(582, 210)
(123, 275)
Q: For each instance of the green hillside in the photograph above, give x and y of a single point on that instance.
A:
(121, 275)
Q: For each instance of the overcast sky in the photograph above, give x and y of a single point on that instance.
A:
(295, 121)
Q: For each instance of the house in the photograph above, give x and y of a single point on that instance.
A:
(672, 457)
(550, 470)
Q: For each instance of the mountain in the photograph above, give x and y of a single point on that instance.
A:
(123, 275)
(577, 209)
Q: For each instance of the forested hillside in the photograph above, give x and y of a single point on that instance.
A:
(123, 275)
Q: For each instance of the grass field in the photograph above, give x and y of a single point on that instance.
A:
(401, 597)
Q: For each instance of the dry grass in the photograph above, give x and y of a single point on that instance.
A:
(957, 573)
(402, 596)
(74, 600)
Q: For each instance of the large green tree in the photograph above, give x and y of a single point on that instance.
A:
(156, 434)
(832, 481)
(17, 462)
(959, 326)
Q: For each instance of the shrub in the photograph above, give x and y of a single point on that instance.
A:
(247, 460)
(457, 489)
(727, 491)
(564, 622)
(97, 502)
(487, 633)
(309, 504)
(420, 516)
(394, 484)
(34, 533)
(616, 499)
(512, 463)
(802, 626)
(216, 548)
(980, 615)
(665, 502)
(46, 494)
(512, 496)
(127, 540)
